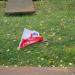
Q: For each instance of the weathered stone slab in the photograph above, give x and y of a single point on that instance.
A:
(36, 71)
(19, 6)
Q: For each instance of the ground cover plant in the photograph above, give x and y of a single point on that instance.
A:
(55, 20)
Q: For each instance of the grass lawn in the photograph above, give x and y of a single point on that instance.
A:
(55, 20)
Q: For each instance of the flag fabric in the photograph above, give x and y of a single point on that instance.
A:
(29, 37)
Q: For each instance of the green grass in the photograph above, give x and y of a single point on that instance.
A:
(54, 20)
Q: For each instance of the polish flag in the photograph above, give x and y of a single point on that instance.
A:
(29, 37)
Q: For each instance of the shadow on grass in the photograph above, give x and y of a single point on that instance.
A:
(19, 14)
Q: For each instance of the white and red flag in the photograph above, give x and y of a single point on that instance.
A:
(29, 37)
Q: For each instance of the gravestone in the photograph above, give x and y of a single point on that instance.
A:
(19, 6)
